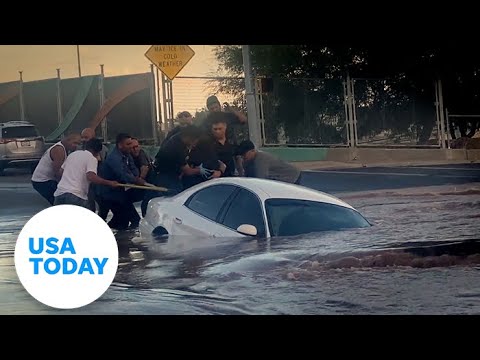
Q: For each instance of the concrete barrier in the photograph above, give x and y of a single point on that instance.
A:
(319, 157)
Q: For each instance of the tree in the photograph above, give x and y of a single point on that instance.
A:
(307, 95)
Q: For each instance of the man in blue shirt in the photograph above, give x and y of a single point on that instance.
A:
(120, 166)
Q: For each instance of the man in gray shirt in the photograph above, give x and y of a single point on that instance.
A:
(88, 134)
(263, 165)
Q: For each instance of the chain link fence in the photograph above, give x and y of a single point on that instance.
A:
(292, 111)
(308, 112)
(391, 116)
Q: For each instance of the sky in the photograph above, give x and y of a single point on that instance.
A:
(41, 61)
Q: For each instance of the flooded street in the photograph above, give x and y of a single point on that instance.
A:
(422, 256)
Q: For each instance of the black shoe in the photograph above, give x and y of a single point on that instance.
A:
(117, 226)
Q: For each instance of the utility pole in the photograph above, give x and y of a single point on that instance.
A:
(78, 61)
(253, 126)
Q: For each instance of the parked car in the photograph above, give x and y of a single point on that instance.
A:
(239, 207)
(20, 145)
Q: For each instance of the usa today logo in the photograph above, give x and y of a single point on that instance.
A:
(66, 256)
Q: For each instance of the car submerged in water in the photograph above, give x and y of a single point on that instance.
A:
(242, 207)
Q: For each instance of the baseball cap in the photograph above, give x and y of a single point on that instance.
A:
(212, 100)
(244, 147)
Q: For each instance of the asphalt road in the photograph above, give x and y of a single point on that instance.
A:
(378, 178)
(18, 196)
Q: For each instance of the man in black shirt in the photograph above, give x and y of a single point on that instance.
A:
(224, 150)
(171, 164)
(203, 154)
(234, 118)
(184, 118)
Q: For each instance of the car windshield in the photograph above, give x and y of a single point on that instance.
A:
(289, 217)
(14, 132)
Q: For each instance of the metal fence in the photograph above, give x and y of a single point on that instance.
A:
(51, 103)
(188, 93)
(323, 112)
(292, 111)
(388, 116)
(349, 112)
(303, 112)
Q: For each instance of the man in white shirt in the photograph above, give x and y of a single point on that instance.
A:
(78, 171)
(88, 134)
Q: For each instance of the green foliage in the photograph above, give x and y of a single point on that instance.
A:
(397, 99)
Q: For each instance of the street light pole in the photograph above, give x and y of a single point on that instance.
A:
(78, 61)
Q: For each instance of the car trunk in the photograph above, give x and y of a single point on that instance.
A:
(22, 140)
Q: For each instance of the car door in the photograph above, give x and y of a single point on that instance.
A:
(244, 209)
(198, 216)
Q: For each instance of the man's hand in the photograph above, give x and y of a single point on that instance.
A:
(216, 174)
(206, 173)
(139, 181)
(114, 184)
(223, 167)
(242, 118)
(239, 165)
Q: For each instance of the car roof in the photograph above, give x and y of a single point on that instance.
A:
(266, 189)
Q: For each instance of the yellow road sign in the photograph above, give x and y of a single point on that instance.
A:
(170, 59)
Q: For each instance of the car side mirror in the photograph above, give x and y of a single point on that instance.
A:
(247, 229)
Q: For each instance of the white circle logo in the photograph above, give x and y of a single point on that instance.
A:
(66, 256)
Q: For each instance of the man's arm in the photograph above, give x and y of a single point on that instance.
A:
(91, 172)
(57, 154)
(261, 167)
(239, 165)
(187, 170)
(94, 178)
(235, 118)
(172, 132)
(144, 171)
(132, 167)
(241, 118)
(144, 164)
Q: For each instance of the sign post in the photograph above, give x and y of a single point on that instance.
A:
(170, 60)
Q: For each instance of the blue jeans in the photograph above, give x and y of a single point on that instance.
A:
(70, 199)
(170, 181)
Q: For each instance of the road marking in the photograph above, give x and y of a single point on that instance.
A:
(445, 168)
(391, 174)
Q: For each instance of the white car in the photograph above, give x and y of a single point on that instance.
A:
(239, 207)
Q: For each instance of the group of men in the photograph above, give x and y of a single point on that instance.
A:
(78, 170)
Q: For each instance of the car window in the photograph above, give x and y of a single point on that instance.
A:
(209, 201)
(288, 217)
(245, 208)
(19, 132)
